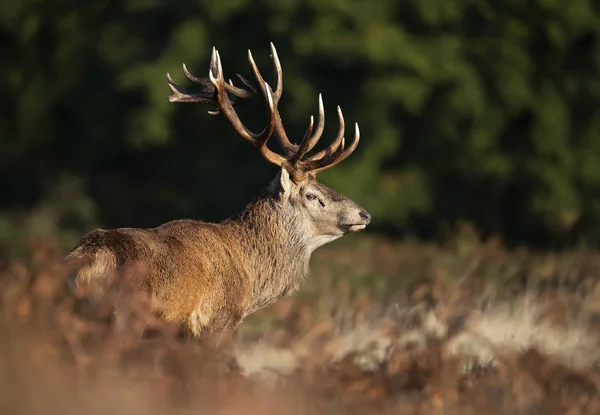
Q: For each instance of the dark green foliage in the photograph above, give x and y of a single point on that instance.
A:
(475, 110)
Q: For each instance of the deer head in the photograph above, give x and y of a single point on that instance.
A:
(327, 214)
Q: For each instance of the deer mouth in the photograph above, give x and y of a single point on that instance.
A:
(353, 227)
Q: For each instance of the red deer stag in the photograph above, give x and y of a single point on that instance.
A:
(209, 276)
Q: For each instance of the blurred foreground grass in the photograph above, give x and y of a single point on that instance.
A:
(385, 272)
(464, 327)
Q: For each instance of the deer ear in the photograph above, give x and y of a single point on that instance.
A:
(285, 182)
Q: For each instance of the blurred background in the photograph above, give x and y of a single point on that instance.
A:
(478, 112)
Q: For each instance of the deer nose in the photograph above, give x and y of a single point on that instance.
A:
(366, 216)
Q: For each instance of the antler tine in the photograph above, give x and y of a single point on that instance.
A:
(180, 94)
(284, 142)
(309, 142)
(335, 157)
(305, 143)
(256, 72)
(278, 74)
(232, 89)
(336, 143)
(191, 77)
(271, 156)
(329, 154)
(208, 93)
(247, 83)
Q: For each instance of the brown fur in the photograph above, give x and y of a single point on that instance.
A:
(209, 276)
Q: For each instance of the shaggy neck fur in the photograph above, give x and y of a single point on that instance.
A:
(278, 245)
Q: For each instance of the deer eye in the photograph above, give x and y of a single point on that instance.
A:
(310, 196)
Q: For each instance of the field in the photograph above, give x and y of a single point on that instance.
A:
(467, 327)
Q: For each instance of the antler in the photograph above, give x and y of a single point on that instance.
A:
(215, 92)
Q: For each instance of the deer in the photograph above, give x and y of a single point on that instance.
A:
(208, 277)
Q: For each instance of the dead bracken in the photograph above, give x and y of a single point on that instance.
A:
(440, 350)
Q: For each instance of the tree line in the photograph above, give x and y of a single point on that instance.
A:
(472, 110)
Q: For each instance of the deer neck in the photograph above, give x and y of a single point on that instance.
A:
(277, 248)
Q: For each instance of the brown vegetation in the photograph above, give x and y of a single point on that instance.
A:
(465, 329)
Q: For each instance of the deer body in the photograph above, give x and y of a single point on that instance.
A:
(209, 276)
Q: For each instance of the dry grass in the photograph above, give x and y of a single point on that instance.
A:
(450, 330)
